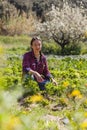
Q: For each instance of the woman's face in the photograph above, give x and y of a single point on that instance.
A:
(36, 46)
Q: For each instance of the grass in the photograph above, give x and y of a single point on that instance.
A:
(23, 39)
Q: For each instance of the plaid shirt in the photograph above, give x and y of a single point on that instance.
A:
(30, 62)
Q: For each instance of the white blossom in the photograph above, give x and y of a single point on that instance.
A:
(64, 25)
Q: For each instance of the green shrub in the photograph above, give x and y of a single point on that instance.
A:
(72, 50)
(50, 48)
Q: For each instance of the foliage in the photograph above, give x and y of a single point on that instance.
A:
(50, 48)
(36, 112)
(72, 49)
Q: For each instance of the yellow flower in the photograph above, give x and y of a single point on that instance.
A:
(36, 98)
(85, 114)
(75, 93)
(66, 83)
(12, 123)
(80, 96)
(1, 49)
(84, 124)
(86, 101)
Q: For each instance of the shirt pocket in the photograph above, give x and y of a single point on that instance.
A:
(41, 66)
(33, 66)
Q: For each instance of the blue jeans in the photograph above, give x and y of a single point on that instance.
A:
(42, 84)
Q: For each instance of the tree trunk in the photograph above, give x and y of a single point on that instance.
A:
(62, 49)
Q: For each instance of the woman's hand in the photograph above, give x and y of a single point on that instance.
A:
(38, 77)
(54, 82)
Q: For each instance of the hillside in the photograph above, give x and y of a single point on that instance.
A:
(11, 10)
(39, 6)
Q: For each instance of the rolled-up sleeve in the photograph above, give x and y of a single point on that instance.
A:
(25, 63)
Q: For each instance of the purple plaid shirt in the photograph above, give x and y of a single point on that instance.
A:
(30, 62)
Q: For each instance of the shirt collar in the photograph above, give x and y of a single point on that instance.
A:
(32, 53)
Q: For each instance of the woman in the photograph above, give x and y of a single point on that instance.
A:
(35, 63)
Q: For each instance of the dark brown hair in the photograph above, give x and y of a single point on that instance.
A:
(33, 39)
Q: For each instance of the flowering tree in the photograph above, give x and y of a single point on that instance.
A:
(64, 26)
